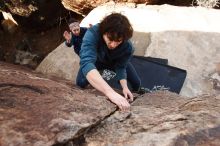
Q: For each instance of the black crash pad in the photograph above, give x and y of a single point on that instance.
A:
(155, 74)
(158, 60)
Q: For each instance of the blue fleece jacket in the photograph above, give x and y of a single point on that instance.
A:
(94, 50)
(76, 41)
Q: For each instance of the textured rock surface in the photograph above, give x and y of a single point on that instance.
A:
(35, 111)
(85, 6)
(187, 37)
(62, 62)
(162, 119)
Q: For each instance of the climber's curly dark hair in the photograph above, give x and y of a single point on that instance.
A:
(117, 27)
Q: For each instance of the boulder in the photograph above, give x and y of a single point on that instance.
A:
(38, 111)
(62, 62)
(187, 36)
(162, 119)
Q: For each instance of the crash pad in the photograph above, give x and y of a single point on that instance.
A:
(155, 74)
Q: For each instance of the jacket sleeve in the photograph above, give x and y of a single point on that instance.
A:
(88, 52)
(120, 67)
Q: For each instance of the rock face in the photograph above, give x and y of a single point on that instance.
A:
(38, 111)
(162, 119)
(187, 37)
(85, 6)
(35, 111)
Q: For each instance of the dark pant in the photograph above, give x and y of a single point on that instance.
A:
(132, 76)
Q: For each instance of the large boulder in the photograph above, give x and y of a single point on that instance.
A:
(37, 111)
(63, 62)
(187, 36)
